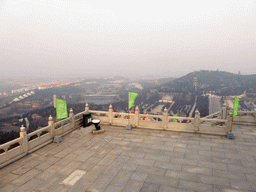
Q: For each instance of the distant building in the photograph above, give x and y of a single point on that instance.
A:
(195, 83)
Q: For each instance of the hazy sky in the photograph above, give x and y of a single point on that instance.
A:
(80, 37)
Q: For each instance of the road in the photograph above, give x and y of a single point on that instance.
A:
(214, 104)
(193, 108)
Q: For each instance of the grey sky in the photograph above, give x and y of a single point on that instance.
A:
(79, 38)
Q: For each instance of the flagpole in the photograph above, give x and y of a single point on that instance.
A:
(231, 124)
(57, 127)
(128, 111)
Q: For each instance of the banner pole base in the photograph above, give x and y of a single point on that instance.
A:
(57, 139)
(230, 135)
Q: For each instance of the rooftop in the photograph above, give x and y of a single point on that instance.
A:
(138, 160)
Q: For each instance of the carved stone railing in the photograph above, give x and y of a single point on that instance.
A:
(28, 143)
(245, 117)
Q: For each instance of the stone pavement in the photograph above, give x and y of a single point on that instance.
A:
(138, 160)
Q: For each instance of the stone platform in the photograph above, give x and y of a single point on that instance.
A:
(138, 160)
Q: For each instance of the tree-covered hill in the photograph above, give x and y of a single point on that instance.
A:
(223, 83)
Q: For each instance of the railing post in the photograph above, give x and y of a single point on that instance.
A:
(110, 114)
(86, 107)
(229, 117)
(23, 136)
(72, 117)
(52, 130)
(136, 119)
(196, 120)
(165, 119)
(224, 111)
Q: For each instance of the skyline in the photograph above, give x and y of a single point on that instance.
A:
(74, 39)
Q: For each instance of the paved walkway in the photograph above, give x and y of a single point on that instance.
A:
(138, 160)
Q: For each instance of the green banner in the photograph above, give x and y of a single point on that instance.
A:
(236, 105)
(61, 109)
(175, 120)
(132, 97)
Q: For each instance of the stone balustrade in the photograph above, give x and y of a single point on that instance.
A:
(27, 143)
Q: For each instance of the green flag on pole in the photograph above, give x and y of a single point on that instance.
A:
(61, 109)
(132, 97)
(236, 105)
(175, 120)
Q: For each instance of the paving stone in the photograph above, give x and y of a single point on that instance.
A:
(50, 183)
(101, 183)
(49, 172)
(85, 156)
(198, 157)
(88, 179)
(8, 188)
(121, 178)
(212, 153)
(190, 185)
(117, 142)
(139, 176)
(150, 187)
(214, 165)
(107, 160)
(181, 175)
(174, 154)
(238, 184)
(196, 169)
(241, 169)
(165, 188)
(26, 167)
(114, 168)
(133, 154)
(251, 177)
(8, 178)
(71, 167)
(130, 166)
(228, 174)
(157, 157)
(26, 177)
(166, 165)
(219, 188)
(183, 161)
(150, 170)
(178, 149)
(213, 180)
(148, 162)
(161, 147)
(240, 156)
(248, 163)
(205, 143)
(89, 163)
(162, 180)
(112, 188)
(133, 186)
(29, 186)
(226, 160)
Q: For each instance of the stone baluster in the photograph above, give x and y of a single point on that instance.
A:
(196, 120)
(136, 118)
(86, 107)
(72, 118)
(52, 128)
(110, 114)
(165, 119)
(224, 111)
(24, 137)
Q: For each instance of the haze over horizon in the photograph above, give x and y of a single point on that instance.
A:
(64, 38)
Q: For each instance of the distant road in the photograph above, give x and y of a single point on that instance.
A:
(193, 108)
(214, 104)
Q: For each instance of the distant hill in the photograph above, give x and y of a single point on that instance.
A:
(223, 83)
